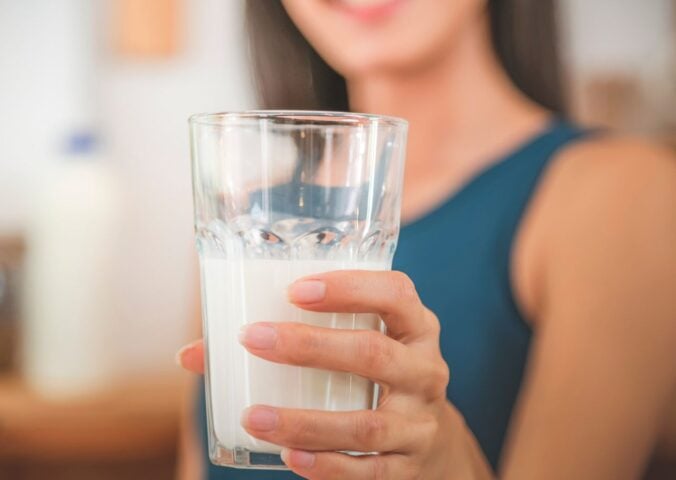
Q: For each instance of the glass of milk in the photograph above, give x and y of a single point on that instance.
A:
(280, 195)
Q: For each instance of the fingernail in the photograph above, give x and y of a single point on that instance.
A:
(307, 291)
(298, 458)
(258, 336)
(184, 350)
(262, 419)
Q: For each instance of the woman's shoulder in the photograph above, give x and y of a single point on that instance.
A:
(612, 175)
(622, 184)
(603, 159)
(606, 207)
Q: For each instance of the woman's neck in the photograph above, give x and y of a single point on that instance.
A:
(463, 114)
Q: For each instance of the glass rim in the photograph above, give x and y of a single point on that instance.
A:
(322, 117)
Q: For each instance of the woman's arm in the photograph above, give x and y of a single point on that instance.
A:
(603, 368)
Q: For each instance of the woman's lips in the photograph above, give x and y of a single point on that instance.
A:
(368, 10)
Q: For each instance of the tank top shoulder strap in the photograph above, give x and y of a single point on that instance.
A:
(524, 168)
(518, 182)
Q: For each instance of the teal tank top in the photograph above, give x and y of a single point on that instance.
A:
(466, 282)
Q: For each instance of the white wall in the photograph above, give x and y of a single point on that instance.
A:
(45, 60)
(57, 73)
(145, 107)
(631, 38)
(618, 34)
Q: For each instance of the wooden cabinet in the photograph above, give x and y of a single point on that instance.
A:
(129, 432)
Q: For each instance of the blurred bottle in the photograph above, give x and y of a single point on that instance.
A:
(68, 304)
(11, 253)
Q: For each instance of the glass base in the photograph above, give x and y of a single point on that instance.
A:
(240, 457)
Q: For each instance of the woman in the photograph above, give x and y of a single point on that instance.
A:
(514, 222)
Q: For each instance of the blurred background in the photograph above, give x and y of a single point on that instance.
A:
(98, 278)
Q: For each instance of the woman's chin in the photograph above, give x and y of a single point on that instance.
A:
(376, 66)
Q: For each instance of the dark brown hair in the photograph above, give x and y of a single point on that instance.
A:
(290, 74)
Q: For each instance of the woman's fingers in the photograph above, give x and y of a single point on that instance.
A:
(367, 353)
(392, 295)
(191, 357)
(340, 466)
(358, 431)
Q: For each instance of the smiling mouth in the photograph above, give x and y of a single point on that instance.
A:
(367, 10)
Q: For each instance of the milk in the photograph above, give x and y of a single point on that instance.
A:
(239, 292)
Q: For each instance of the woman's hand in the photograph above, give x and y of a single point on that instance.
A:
(417, 433)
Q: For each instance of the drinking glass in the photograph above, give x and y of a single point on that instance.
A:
(279, 195)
